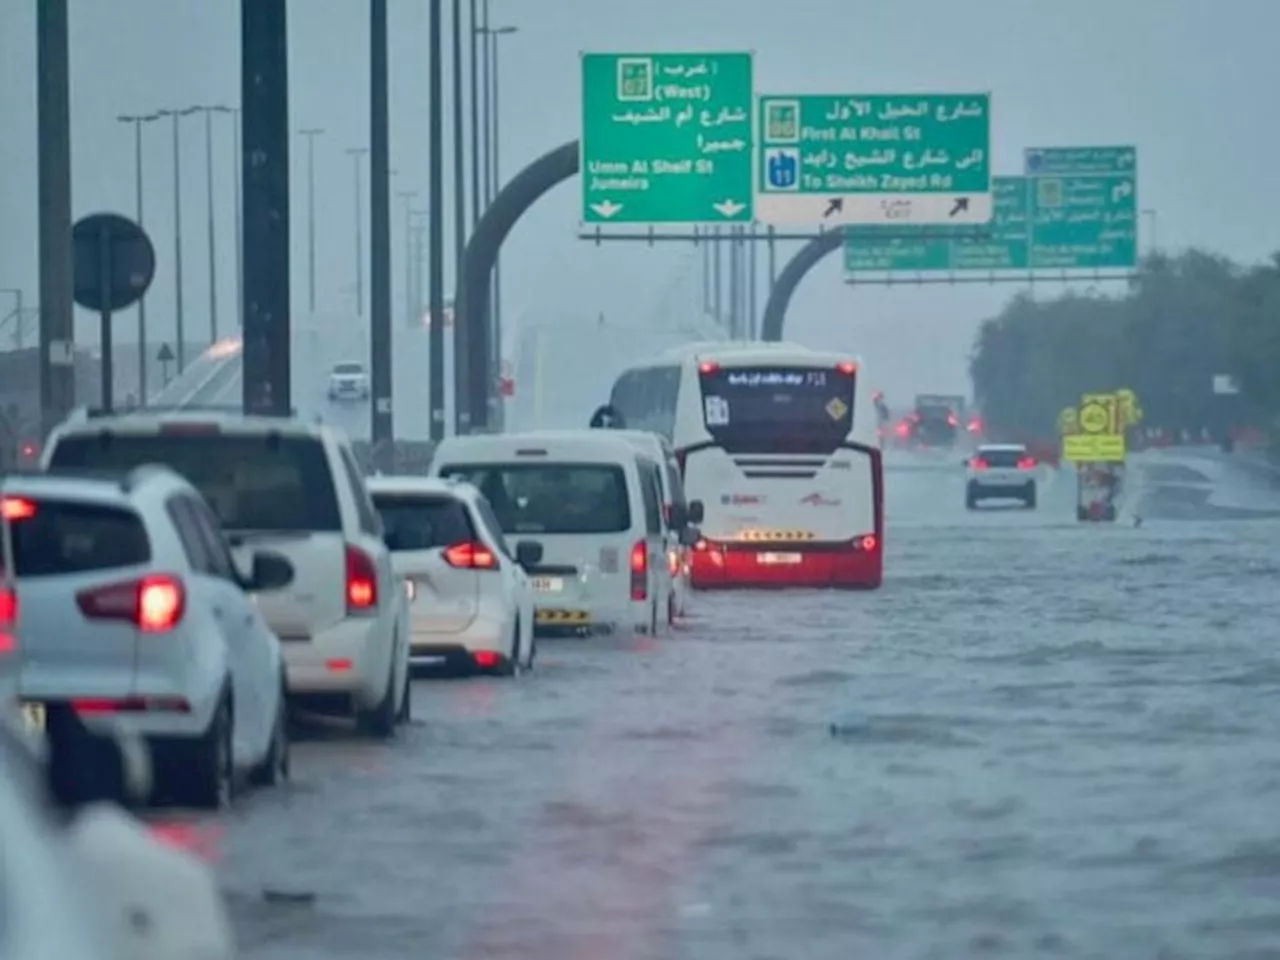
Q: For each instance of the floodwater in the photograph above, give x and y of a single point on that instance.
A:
(1040, 738)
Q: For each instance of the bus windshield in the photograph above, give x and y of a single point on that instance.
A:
(777, 404)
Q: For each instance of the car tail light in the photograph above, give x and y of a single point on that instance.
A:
(486, 659)
(100, 705)
(17, 508)
(470, 556)
(978, 463)
(1027, 463)
(848, 368)
(362, 582)
(707, 367)
(953, 420)
(866, 542)
(8, 620)
(640, 571)
(155, 603)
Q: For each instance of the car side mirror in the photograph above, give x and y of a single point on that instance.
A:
(271, 571)
(689, 536)
(695, 512)
(528, 553)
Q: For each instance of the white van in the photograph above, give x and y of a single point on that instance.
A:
(594, 504)
(678, 523)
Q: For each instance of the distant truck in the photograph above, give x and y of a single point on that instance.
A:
(936, 420)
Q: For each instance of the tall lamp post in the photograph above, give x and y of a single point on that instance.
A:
(138, 120)
(209, 110)
(310, 135)
(493, 169)
(357, 154)
(178, 312)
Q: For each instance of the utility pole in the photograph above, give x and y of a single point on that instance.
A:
(137, 120)
(381, 425)
(435, 194)
(356, 154)
(408, 197)
(310, 136)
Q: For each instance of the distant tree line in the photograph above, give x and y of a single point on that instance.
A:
(1183, 321)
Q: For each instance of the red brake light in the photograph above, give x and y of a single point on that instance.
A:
(8, 620)
(1027, 463)
(155, 603)
(868, 543)
(848, 368)
(953, 420)
(978, 463)
(640, 571)
(17, 508)
(708, 367)
(486, 659)
(362, 581)
(470, 556)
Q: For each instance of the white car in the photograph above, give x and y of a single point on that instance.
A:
(292, 487)
(470, 602)
(134, 620)
(594, 504)
(1000, 471)
(678, 521)
(348, 381)
(91, 882)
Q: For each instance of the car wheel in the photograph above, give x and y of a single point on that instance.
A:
(208, 781)
(1030, 499)
(274, 769)
(380, 722)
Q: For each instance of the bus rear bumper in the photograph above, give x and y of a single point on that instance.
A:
(851, 566)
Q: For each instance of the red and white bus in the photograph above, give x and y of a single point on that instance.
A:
(779, 443)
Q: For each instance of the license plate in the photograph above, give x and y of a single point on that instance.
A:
(778, 558)
(547, 584)
(33, 717)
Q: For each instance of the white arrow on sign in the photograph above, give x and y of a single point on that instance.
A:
(606, 208)
(1121, 190)
(729, 208)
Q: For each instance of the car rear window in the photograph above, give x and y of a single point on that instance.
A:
(252, 482)
(1001, 458)
(65, 537)
(552, 497)
(418, 522)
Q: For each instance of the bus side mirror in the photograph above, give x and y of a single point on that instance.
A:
(695, 512)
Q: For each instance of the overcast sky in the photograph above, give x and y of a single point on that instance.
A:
(1187, 81)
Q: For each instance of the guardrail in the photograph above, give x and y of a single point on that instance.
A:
(210, 367)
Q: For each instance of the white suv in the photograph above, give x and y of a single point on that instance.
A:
(1001, 471)
(470, 602)
(132, 619)
(293, 487)
(348, 381)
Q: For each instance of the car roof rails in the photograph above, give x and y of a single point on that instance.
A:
(238, 410)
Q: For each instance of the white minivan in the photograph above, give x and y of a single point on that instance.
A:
(593, 502)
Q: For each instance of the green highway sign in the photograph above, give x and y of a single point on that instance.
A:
(666, 138)
(905, 159)
(1056, 220)
(880, 249)
(1083, 207)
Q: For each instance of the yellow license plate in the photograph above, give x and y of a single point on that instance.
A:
(33, 717)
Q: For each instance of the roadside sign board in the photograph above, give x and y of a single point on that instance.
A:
(1100, 430)
(1050, 219)
(874, 159)
(1083, 207)
(878, 249)
(666, 138)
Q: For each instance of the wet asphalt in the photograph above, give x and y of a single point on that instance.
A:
(1040, 738)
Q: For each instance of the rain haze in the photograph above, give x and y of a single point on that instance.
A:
(784, 670)
(1184, 81)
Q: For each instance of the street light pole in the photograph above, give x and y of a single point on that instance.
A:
(311, 135)
(179, 313)
(356, 153)
(495, 180)
(138, 120)
(239, 201)
(475, 117)
(408, 197)
(208, 112)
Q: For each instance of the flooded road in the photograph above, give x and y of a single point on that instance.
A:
(1040, 738)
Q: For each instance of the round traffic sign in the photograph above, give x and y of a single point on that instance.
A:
(114, 262)
(1094, 418)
